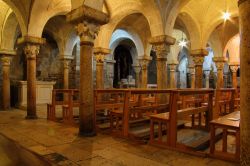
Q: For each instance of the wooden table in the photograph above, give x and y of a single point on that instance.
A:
(227, 124)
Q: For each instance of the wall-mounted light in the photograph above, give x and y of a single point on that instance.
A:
(226, 15)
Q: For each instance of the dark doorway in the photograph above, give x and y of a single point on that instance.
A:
(123, 66)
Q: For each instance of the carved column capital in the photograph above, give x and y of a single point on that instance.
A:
(100, 54)
(137, 68)
(172, 67)
(207, 73)
(219, 62)
(144, 61)
(234, 67)
(31, 46)
(87, 32)
(161, 45)
(6, 56)
(198, 56)
(66, 61)
(88, 22)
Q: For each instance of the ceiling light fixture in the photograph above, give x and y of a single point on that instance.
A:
(183, 43)
(226, 15)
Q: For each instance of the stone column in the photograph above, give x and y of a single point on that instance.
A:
(244, 13)
(100, 54)
(110, 72)
(144, 61)
(207, 74)
(66, 62)
(219, 62)
(137, 69)
(88, 22)
(234, 68)
(172, 67)
(31, 50)
(5, 60)
(192, 75)
(198, 58)
(161, 45)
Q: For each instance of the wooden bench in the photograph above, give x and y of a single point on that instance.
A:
(67, 103)
(230, 125)
(167, 123)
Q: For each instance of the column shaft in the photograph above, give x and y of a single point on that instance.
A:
(244, 13)
(6, 82)
(99, 76)
(86, 109)
(172, 75)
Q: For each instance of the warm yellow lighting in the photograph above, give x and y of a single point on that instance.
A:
(226, 15)
(183, 43)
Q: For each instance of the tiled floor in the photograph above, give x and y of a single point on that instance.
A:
(61, 145)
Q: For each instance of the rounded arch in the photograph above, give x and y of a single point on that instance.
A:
(213, 24)
(19, 16)
(193, 30)
(42, 11)
(9, 30)
(121, 12)
(120, 35)
(233, 49)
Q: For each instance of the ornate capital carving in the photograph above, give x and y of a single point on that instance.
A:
(137, 68)
(144, 61)
(172, 67)
(161, 45)
(234, 68)
(66, 61)
(5, 60)
(31, 51)
(88, 22)
(100, 54)
(6, 56)
(87, 32)
(219, 62)
(198, 56)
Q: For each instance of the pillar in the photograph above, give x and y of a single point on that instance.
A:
(100, 54)
(161, 45)
(110, 72)
(88, 22)
(244, 13)
(198, 58)
(207, 74)
(172, 67)
(144, 61)
(192, 75)
(219, 62)
(137, 69)
(6, 60)
(31, 46)
(234, 68)
(66, 62)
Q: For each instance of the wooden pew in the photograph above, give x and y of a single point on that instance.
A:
(230, 125)
(66, 103)
(132, 107)
(168, 122)
(224, 101)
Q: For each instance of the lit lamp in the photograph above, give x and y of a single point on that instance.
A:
(226, 15)
(182, 43)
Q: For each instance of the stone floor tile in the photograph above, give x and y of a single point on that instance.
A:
(41, 150)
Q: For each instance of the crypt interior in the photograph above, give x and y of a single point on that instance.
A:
(124, 82)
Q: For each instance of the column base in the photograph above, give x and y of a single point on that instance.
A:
(31, 117)
(86, 134)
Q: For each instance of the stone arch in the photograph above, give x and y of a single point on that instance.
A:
(9, 31)
(233, 49)
(19, 16)
(42, 11)
(124, 11)
(120, 35)
(193, 30)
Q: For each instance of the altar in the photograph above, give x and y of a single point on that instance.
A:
(43, 93)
